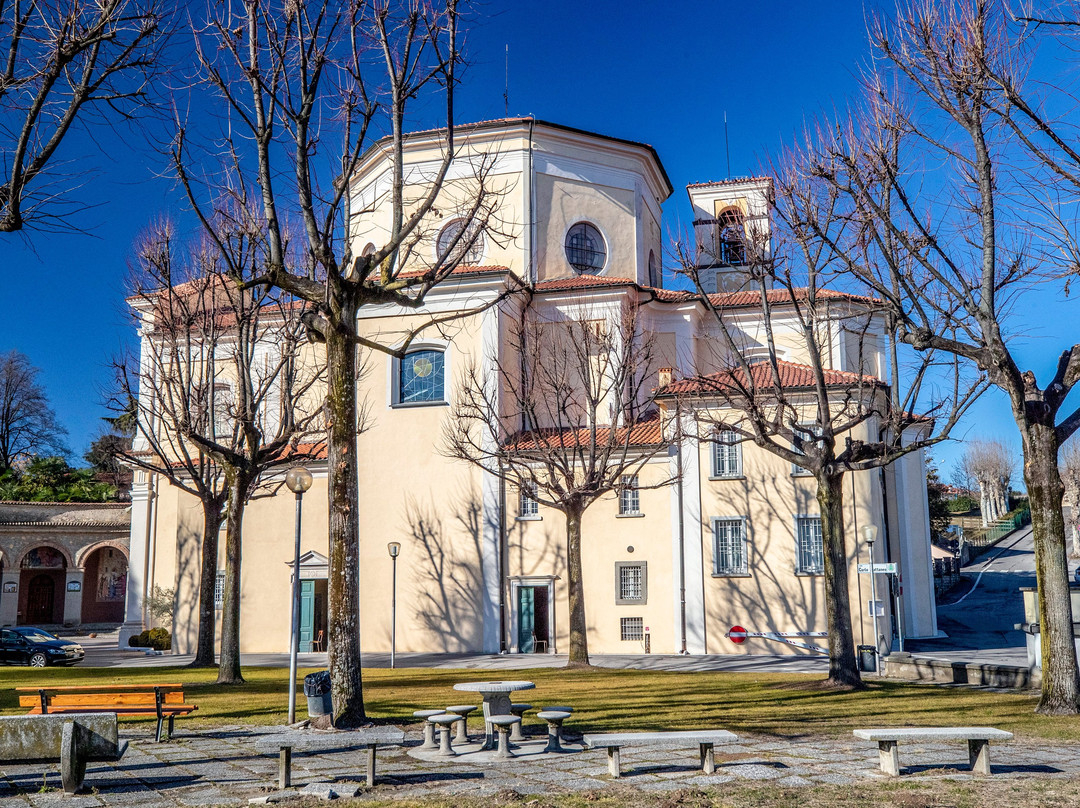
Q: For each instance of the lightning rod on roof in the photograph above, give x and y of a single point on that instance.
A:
(727, 146)
(506, 86)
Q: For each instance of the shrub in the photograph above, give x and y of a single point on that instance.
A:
(157, 638)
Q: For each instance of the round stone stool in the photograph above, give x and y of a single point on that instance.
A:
(429, 728)
(519, 710)
(554, 719)
(462, 710)
(445, 721)
(503, 724)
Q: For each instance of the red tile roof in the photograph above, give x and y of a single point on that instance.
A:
(582, 282)
(792, 375)
(458, 271)
(752, 297)
(646, 432)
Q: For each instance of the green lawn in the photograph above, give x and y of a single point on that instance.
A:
(768, 704)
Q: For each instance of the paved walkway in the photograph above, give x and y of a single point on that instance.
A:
(221, 767)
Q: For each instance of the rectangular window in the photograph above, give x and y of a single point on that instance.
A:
(811, 550)
(421, 377)
(631, 582)
(727, 455)
(629, 504)
(729, 547)
(631, 629)
(528, 507)
(219, 590)
(808, 433)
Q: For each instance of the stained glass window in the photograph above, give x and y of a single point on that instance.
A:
(421, 377)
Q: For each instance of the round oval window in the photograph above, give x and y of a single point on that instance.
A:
(585, 248)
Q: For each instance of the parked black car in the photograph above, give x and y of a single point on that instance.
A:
(36, 647)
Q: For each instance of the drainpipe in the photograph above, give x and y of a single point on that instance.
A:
(531, 247)
(502, 561)
(682, 535)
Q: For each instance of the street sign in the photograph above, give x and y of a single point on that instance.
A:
(880, 569)
(737, 634)
(875, 608)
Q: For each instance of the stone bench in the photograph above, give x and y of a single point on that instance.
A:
(705, 741)
(978, 739)
(72, 740)
(368, 739)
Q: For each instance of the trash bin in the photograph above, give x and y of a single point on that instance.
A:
(317, 690)
(867, 659)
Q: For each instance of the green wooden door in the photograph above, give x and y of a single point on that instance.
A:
(307, 614)
(526, 618)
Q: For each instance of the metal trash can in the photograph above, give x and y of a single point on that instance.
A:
(867, 659)
(317, 690)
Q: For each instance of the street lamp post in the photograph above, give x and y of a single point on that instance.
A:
(298, 480)
(870, 534)
(394, 548)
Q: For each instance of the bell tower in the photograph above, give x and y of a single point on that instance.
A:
(731, 230)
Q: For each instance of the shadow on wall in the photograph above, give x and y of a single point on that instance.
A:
(448, 578)
(186, 606)
(773, 598)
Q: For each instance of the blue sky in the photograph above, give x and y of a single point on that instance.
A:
(662, 73)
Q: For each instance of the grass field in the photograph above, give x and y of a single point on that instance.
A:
(787, 705)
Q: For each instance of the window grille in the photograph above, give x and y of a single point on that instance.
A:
(449, 235)
(808, 433)
(219, 590)
(729, 547)
(585, 248)
(528, 506)
(632, 629)
(631, 582)
(727, 455)
(629, 502)
(811, 549)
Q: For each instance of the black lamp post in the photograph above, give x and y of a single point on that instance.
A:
(298, 480)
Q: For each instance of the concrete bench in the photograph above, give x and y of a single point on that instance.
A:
(72, 740)
(978, 739)
(705, 741)
(368, 739)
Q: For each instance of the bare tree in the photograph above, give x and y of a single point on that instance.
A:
(990, 464)
(1070, 475)
(951, 174)
(296, 81)
(824, 421)
(561, 415)
(28, 426)
(222, 398)
(76, 62)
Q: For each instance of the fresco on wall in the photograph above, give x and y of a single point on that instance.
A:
(112, 576)
(44, 558)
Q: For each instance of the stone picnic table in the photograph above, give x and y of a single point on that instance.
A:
(496, 701)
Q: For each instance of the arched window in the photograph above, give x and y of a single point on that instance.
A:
(369, 249)
(421, 377)
(731, 243)
(656, 279)
(454, 243)
(585, 249)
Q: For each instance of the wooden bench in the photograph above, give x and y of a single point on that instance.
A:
(368, 739)
(705, 741)
(164, 702)
(978, 739)
(73, 741)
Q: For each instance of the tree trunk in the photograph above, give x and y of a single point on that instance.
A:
(1060, 679)
(579, 638)
(843, 670)
(343, 618)
(204, 646)
(229, 664)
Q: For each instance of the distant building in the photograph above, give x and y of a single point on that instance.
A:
(63, 564)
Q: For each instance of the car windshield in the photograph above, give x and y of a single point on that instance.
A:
(37, 635)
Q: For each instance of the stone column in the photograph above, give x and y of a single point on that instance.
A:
(138, 554)
(73, 596)
(9, 601)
